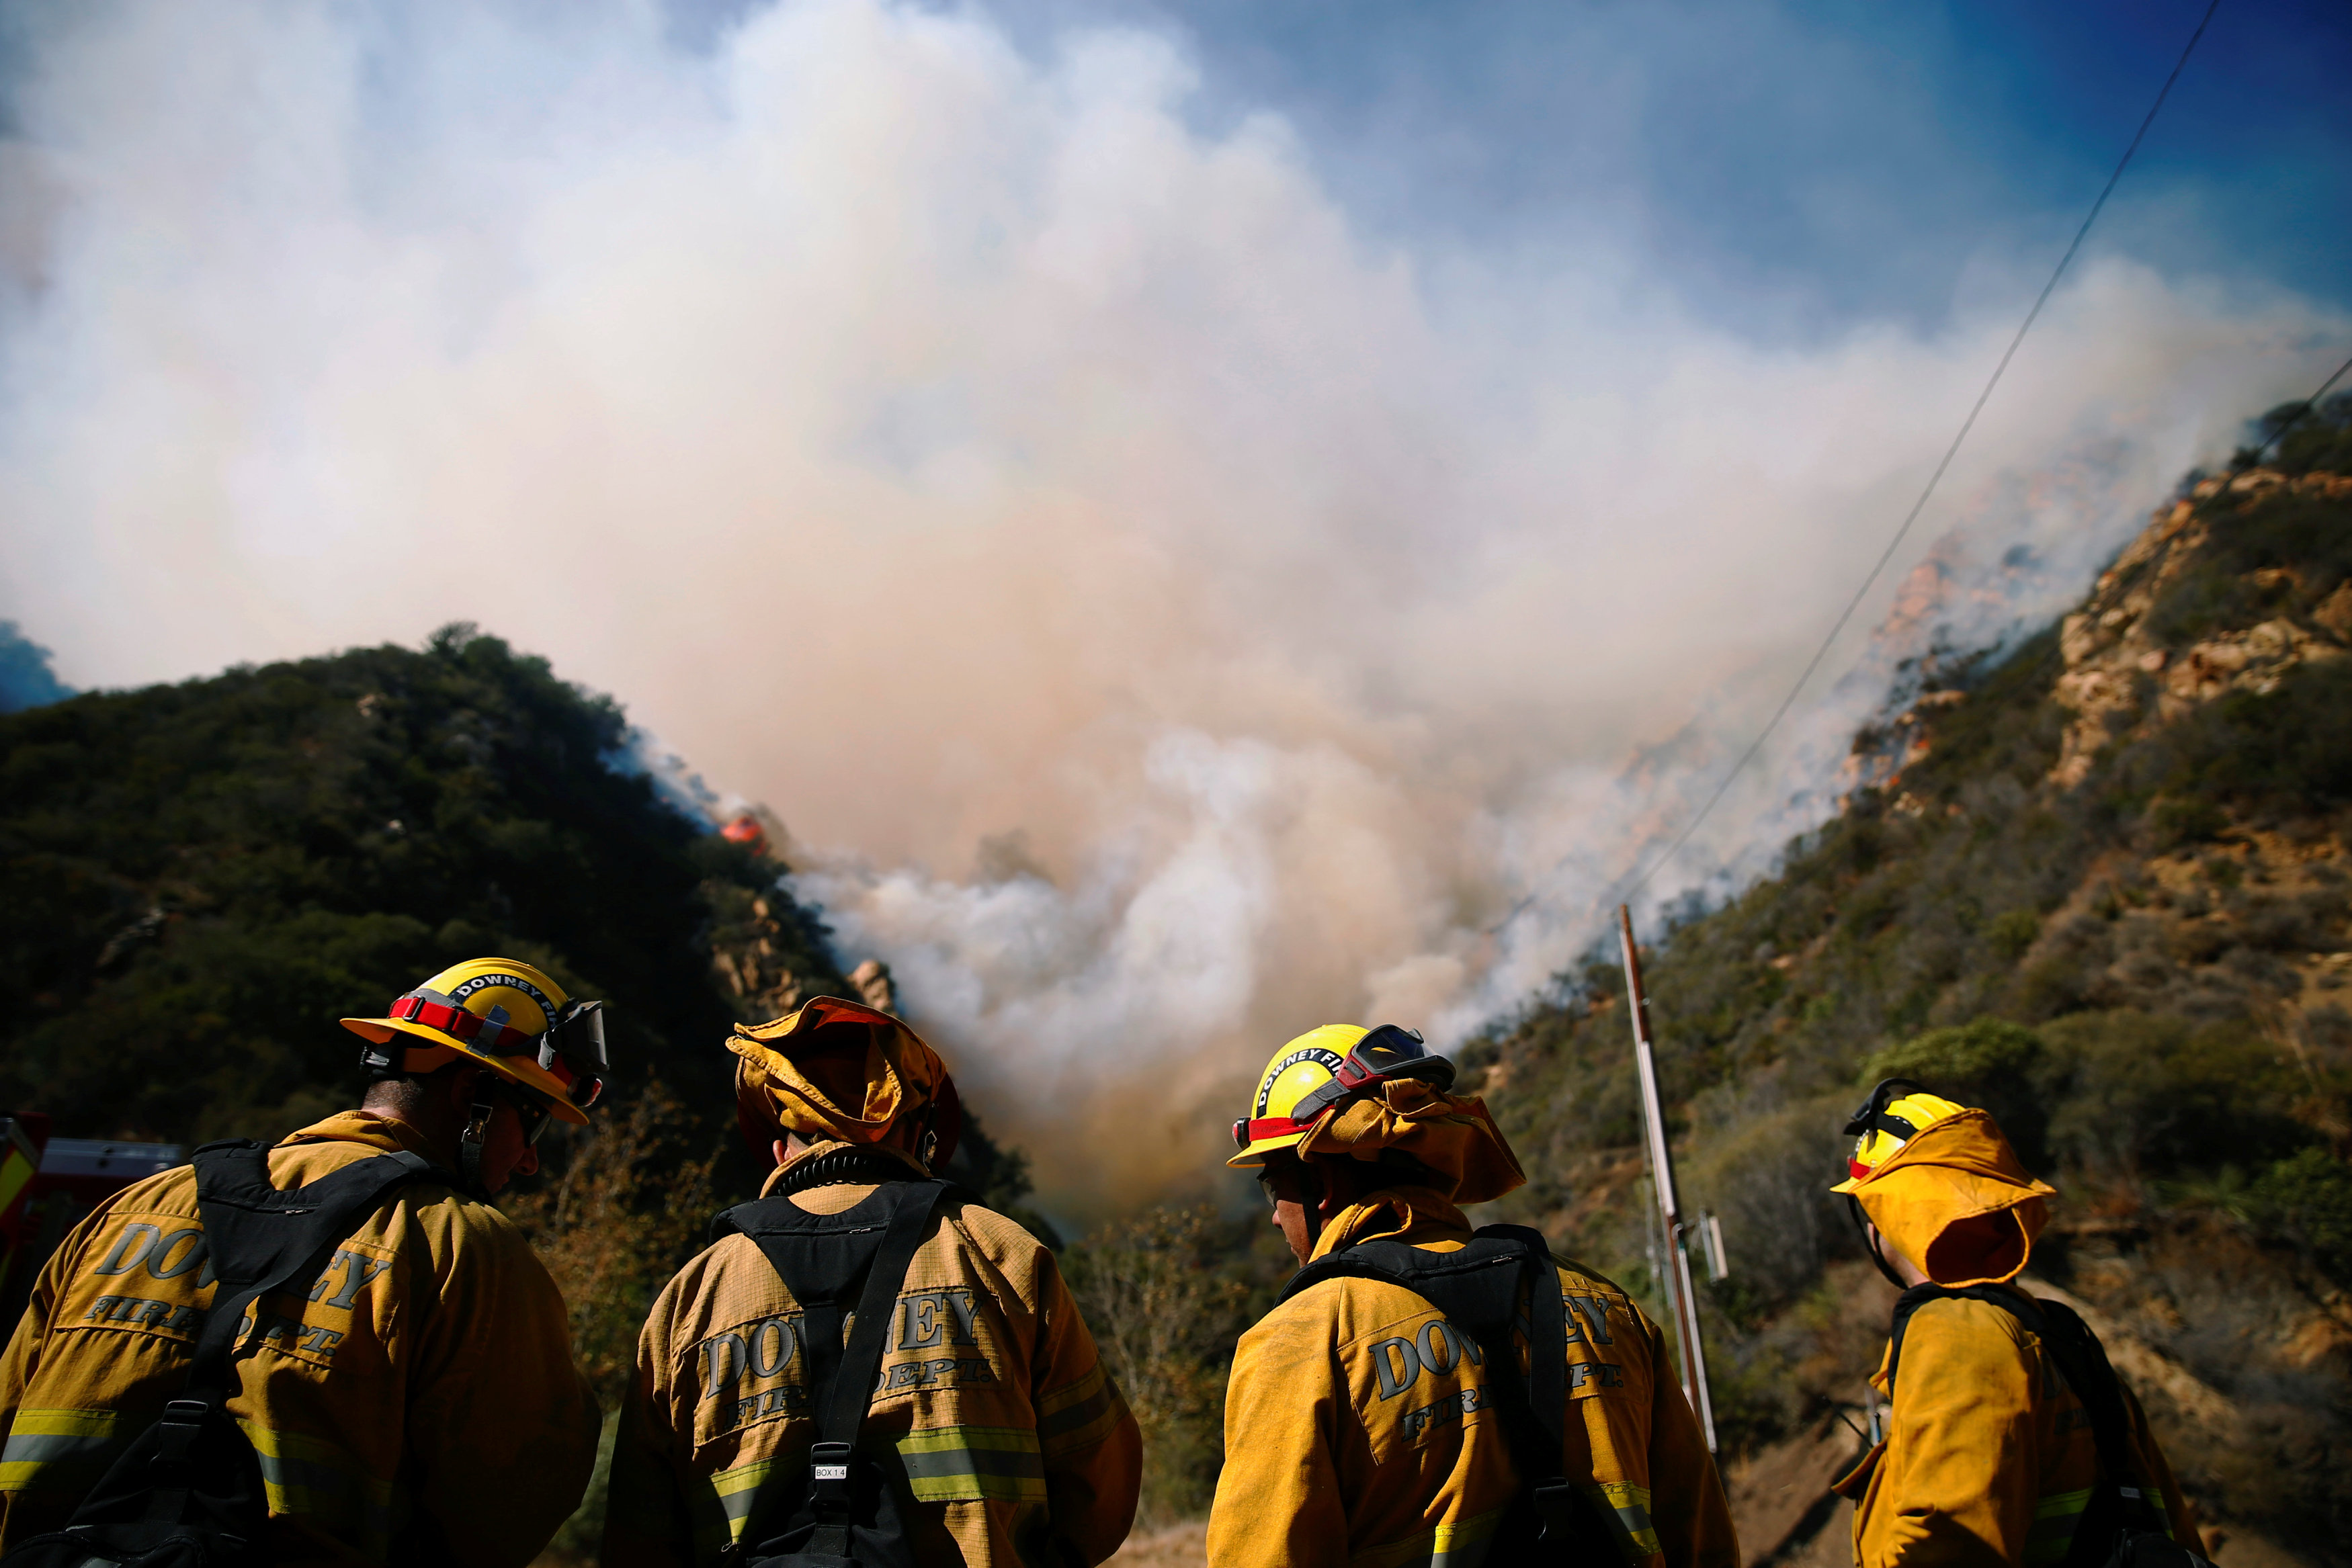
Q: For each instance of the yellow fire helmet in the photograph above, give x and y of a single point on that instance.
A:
(508, 1016)
(1322, 1067)
(1891, 1119)
(1942, 1186)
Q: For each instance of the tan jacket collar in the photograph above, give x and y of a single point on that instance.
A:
(1417, 1216)
(386, 1132)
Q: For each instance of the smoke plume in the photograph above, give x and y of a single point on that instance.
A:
(1166, 617)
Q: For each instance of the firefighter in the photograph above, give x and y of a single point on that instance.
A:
(422, 1406)
(1000, 1435)
(1990, 1454)
(1364, 1425)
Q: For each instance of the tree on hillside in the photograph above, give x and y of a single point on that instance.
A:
(201, 879)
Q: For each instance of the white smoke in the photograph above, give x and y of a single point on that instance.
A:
(1166, 618)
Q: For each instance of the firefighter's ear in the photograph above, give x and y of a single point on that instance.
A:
(1331, 1198)
(458, 1088)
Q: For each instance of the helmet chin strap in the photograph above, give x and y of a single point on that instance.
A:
(1870, 1244)
(469, 1149)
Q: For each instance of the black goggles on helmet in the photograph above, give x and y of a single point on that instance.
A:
(572, 1051)
(1389, 1051)
(1872, 1115)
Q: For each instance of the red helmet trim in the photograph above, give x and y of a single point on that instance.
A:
(499, 1039)
(496, 1039)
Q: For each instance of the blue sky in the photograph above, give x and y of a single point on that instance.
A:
(1796, 166)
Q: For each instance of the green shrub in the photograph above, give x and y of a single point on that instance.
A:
(2009, 935)
(1988, 1061)
(2139, 1094)
(197, 881)
(2308, 1199)
(2282, 753)
(1768, 1185)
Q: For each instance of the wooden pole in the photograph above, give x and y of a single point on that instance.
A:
(1682, 1302)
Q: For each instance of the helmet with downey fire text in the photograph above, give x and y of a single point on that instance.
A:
(507, 1015)
(1323, 1068)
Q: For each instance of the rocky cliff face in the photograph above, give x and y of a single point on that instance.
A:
(2122, 672)
(755, 960)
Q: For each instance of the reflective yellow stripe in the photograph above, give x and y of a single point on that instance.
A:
(1081, 1414)
(965, 1464)
(59, 1450)
(324, 1484)
(722, 1504)
(2052, 1533)
(1462, 1544)
(303, 1476)
(1627, 1506)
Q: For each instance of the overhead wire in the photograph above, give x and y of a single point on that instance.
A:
(2301, 413)
(1625, 890)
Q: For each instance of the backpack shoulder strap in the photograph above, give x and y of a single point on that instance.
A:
(260, 1240)
(844, 1413)
(820, 1258)
(1906, 1304)
(2082, 1362)
(2026, 1309)
(1547, 1340)
(1568, 1518)
(1477, 1287)
(750, 1220)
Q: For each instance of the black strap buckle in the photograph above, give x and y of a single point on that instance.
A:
(1559, 1506)
(829, 1474)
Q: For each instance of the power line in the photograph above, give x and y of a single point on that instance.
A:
(2300, 414)
(1628, 888)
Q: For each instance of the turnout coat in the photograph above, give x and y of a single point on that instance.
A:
(420, 1405)
(993, 1406)
(1353, 1434)
(1989, 1459)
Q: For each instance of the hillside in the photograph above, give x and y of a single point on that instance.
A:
(2103, 885)
(200, 879)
